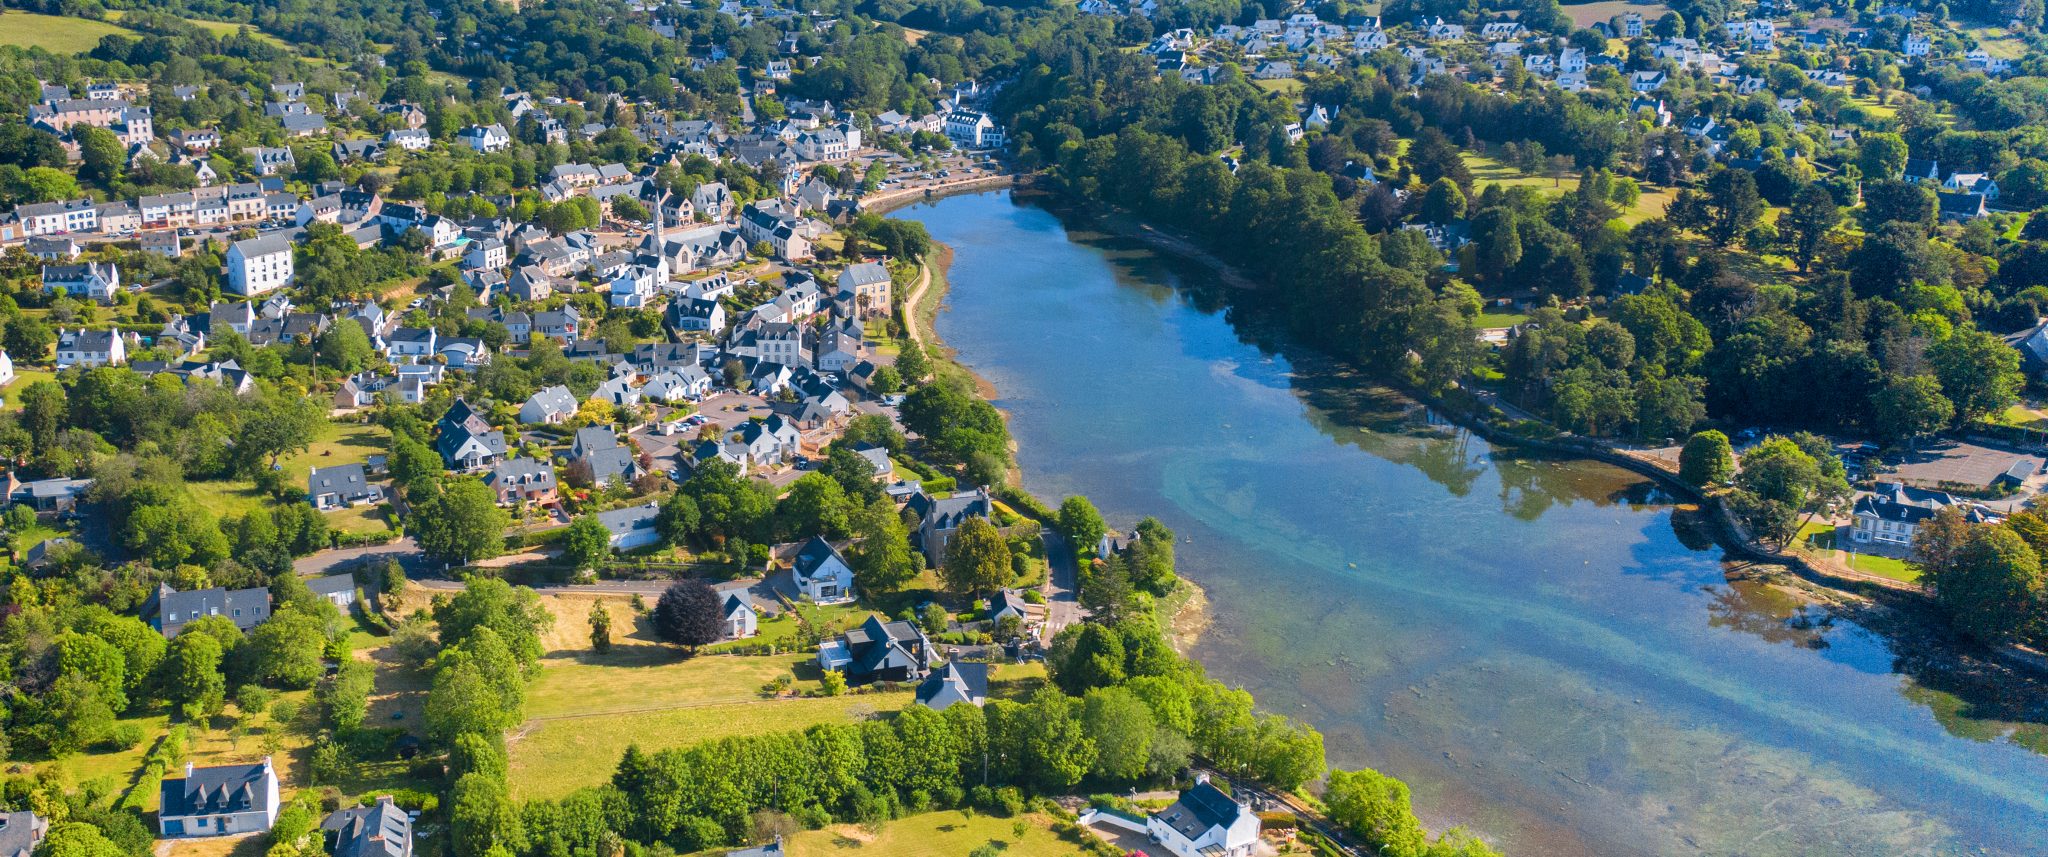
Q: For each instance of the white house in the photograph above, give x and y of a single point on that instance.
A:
(6, 369)
(221, 800)
(740, 619)
(1892, 514)
(486, 138)
(631, 527)
(821, 574)
(1205, 822)
(90, 348)
(260, 264)
(553, 406)
(973, 129)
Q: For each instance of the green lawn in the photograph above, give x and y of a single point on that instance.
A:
(586, 709)
(782, 628)
(56, 34)
(1501, 319)
(22, 379)
(334, 444)
(937, 834)
(1289, 86)
(1819, 539)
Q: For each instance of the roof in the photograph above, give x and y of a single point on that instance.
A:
(217, 790)
(19, 833)
(333, 584)
(813, 556)
(378, 830)
(623, 521)
(956, 682)
(215, 601)
(341, 478)
(1199, 810)
(1893, 501)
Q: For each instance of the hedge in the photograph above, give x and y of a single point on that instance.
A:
(1024, 502)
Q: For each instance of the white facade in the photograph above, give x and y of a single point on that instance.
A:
(259, 265)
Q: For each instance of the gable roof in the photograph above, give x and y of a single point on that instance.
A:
(956, 682)
(813, 556)
(378, 830)
(218, 790)
(1199, 810)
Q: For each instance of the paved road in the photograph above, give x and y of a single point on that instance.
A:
(1062, 585)
(404, 549)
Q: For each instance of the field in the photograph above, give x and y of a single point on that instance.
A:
(937, 834)
(22, 379)
(58, 35)
(1487, 170)
(1587, 14)
(334, 444)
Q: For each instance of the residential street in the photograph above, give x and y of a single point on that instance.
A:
(1062, 585)
(404, 549)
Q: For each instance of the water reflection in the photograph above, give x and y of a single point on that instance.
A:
(1542, 648)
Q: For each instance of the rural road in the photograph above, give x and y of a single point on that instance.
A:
(1062, 585)
(404, 549)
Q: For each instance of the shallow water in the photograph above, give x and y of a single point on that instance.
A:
(1548, 651)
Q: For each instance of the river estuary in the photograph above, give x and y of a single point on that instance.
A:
(1551, 653)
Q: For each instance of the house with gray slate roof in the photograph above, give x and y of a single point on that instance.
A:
(952, 684)
(879, 651)
(378, 830)
(632, 527)
(247, 608)
(21, 832)
(218, 801)
(1205, 822)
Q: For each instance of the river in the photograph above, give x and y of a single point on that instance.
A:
(1549, 652)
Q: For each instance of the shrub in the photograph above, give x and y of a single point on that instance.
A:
(125, 736)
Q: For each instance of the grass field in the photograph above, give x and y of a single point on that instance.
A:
(1819, 539)
(1585, 15)
(22, 379)
(56, 34)
(937, 834)
(334, 444)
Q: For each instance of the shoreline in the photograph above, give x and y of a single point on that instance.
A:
(1908, 609)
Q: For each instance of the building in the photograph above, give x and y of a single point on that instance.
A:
(550, 406)
(378, 830)
(247, 608)
(90, 348)
(741, 620)
(870, 284)
(218, 801)
(821, 573)
(953, 684)
(973, 129)
(522, 480)
(1890, 515)
(1205, 822)
(466, 441)
(486, 138)
(93, 281)
(341, 486)
(260, 264)
(338, 589)
(632, 527)
(21, 832)
(938, 520)
(879, 651)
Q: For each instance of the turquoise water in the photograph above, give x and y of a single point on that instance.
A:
(1549, 652)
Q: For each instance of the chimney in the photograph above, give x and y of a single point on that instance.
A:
(188, 769)
(1202, 778)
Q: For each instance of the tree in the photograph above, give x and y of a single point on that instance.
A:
(1978, 372)
(1735, 204)
(1910, 406)
(1375, 808)
(101, 154)
(814, 506)
(586, 543)
(286, 650)
(513, 614)
(1057, 751)
(1086, 656)
(1779, 480)
(1707, 459)
(482, 819)
(1894, 201)
(1882, 156)
(345, 347)
(881, 555)
(1080, 524)
(689, 614)
(1122, 729)
(1443, 202)
(77, 839)
(29, 339)
(461, 522)
(600, 628)
(678, 519)
(1813, 215)
(977, 558)
(1993, 589)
